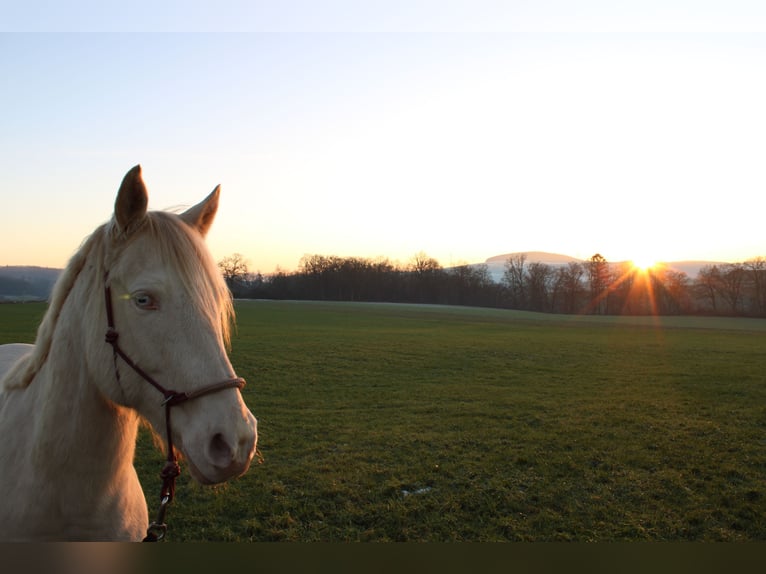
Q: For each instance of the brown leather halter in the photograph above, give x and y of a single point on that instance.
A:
(156, 530)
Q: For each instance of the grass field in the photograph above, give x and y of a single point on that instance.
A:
(412, 423)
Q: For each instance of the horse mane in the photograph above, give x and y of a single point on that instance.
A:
(22, 374)
(181, 248)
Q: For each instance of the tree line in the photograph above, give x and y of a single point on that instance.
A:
(594, 286)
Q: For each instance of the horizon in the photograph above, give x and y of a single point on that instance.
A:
(385, 131)
(530, 257)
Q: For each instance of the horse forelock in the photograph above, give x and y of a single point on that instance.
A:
(184, 252)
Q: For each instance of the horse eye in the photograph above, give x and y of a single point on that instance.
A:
(145, 301)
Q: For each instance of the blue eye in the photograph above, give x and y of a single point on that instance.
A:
(145, 301)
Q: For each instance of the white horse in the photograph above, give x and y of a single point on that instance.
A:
(70, 404)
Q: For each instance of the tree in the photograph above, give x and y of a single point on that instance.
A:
(513, 280)
(598, 279)
(234, 269)
(756, 271)
(470, 285)
(627, 291)
(707, 286)
(674, 296)
(320, 275)
(422, 264)
(731, 285)
(567, 288)
(538, 278)
(425, 276)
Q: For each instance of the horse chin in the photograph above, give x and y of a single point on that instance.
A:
(216, 475)
(198, 475)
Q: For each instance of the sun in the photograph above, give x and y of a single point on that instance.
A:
(644, 264)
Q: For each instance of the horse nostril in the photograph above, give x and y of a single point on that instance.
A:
(221, 454)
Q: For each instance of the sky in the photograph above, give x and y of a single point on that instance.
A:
(462, 130)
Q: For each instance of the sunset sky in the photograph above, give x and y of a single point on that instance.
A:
(460, 129)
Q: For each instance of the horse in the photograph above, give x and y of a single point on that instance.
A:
(137, 326)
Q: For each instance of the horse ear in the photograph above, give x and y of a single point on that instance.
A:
(132, 200)
(201, 216)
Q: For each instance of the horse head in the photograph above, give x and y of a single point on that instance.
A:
(169, 312)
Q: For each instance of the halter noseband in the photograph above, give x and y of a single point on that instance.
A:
(171, 470)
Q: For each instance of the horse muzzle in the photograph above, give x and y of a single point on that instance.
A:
(226, 453)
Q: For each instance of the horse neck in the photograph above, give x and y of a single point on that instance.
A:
(74, 422)
(73, 419)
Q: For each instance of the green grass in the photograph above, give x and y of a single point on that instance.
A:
(414, 423)
(19, 321)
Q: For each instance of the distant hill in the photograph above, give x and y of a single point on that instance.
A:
(691, 268)
(26, 283)
(535, 256)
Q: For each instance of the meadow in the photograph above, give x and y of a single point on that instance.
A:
(383, 422)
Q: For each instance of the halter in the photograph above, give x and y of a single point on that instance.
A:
(156, 530)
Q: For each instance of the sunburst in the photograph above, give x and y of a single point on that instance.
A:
(643, 264)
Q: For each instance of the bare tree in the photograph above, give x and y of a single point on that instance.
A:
(513, 280)
(539, 277)
(707, 286)
(234, 267)
(731, 285)
(425, 278)
(674, 296)
(422, 264)
(467, 284)
(623, 296)
(756, 272)
(567, 288)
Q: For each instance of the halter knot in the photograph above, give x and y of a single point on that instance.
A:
(171, 470)
(111, 336)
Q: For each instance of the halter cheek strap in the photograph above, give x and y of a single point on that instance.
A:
(171, 470)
